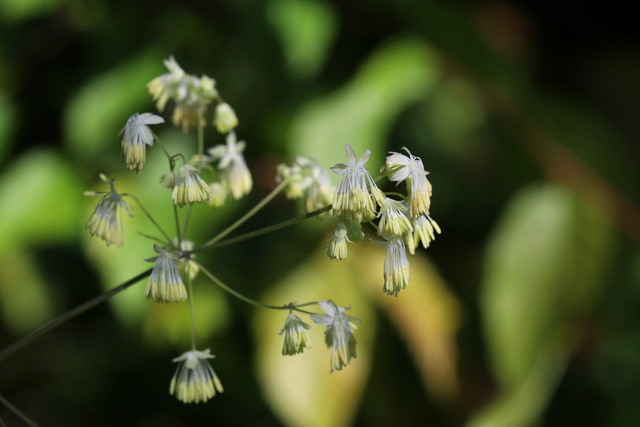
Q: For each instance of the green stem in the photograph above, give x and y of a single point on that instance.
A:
(148, 215)
(154, 238)
(262, 231)
(69, 315)
(237, 294)
(248, 215)
(18, 412)
(186, 223)
(175, 215)
(193, 318)
(163, 149)
(200, 130)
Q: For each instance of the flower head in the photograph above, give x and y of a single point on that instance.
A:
(168, 180)
(225, 118)
(189, 187)
(338, 335)
(218, 195)
(187, 265)
(171, 85)
(137, 136)
(424, 230)
(307, 177)
(410, 168)
(356, 195)
(296, 338)
(396, 266)
(393, 221)
(106, 220)
(338, 243)
(195, 380)
(165, 283)
(236, 178)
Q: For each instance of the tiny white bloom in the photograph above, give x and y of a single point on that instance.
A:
(218, 195)
(356, 194)
(188, 266)
(338, 243)
(137, 136)
(189, 187)
(195, 380)
(168, 180)
(396, 266)
(171, 85)
(236, 178)
(393, 221)
(106, 220)
(296, 181)
(411, 169)
(165, 284)
(225, 118)
(338, 335)
(424, 230)
(319, 190)
(296, 338)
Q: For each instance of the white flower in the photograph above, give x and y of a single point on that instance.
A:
(168, 180)
(106, 220)
(338, 243)
(137, 136)
(165, 283)
(189, 187)
(296, 338)
(356, 195)
(424, 230)
(191, 94)
(195, 380)
(236, 178)
(319, 188)
(296, 181)
(338, 335)
(218, 195)
(396, 266)
(225, 118)
(189, 265)
(393, 221)
(411, 169)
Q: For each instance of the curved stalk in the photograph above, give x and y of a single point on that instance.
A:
(148, 215)
(17, 412)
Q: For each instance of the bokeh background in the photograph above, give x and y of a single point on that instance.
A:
(525, 311)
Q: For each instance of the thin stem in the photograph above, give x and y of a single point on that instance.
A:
(193, 318)
(186, 223)
(22, 342)
(248, 215)
(175, 215)
(163, 149)
(200, 130)
(154, 238)
(262, 231)
(17, 411)
(148, 215)
(237, 294)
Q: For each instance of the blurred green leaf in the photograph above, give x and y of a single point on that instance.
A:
(41, 198)
(102, 106)
(300, 388)
(543, 266)
(361, 112)
(16, 10)
(25, 302)
(307, 29)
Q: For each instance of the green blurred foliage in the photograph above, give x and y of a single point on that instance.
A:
(524, 313)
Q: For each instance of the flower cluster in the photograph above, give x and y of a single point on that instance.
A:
(307, 178)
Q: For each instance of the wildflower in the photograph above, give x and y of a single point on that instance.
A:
(393, 222)
(296, 182)
(225, 118)
(354, 232)
(168, 180)
(106, 220)
(137, 136)
(338, 335)
(424, 230)
(187, 264)
(356, 195)
(165, 283)
(296, 338)
(190, 94)
(319, 188)
(218, 195)
(396, 266)
(189, 187)
(338, 243)
(236, 178)
(411, 169)
(195, 380)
